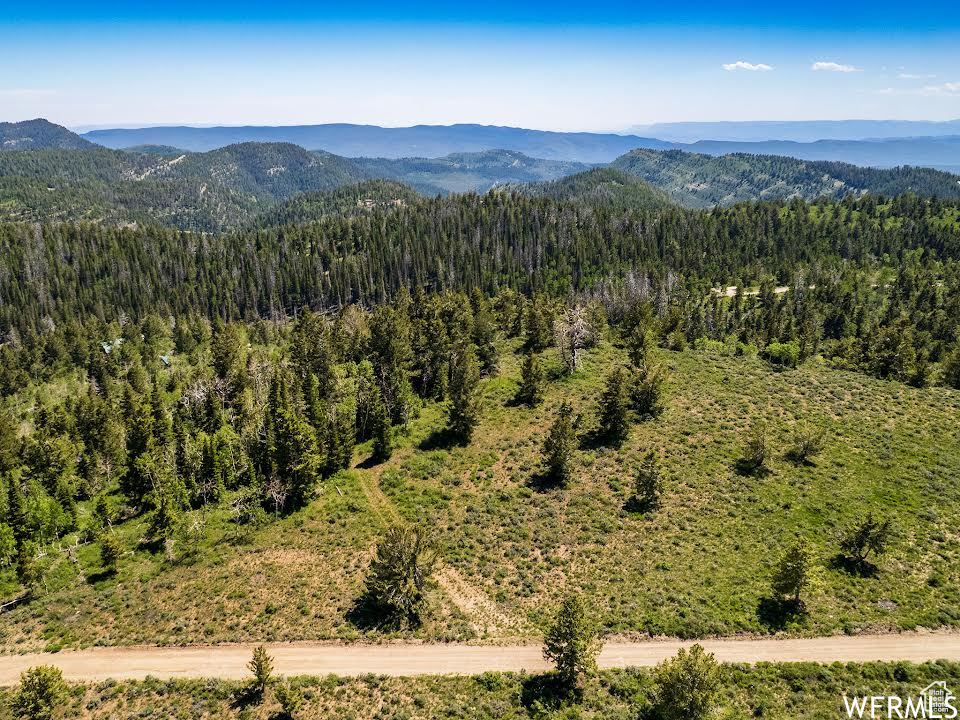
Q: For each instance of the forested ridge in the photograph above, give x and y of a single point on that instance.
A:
(200, 192)
(696, 180)
(58, 272)
(48, 174)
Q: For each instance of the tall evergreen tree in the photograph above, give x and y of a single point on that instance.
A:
(380, 428)
(560, 445)
(464, 410)
(614, 408)
(530, 391)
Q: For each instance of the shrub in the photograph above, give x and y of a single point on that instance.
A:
(865, 537)
(290, 699)
(794, 573)
(41, 691)
(686, 686)
(808, 441)
(783, 354)
(755, 445)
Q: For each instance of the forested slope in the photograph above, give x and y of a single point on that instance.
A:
(487, 241)
(696, 180)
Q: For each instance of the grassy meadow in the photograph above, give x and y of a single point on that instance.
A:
(699, 565)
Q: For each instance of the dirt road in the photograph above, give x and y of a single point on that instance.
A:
(229, 661)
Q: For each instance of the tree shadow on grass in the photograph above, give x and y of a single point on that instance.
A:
(440, 440)
(748, 468)
(775, 613)
(860, 568)
(545, 693)
(246, 696)
(639, 506)
(371, 461)
(543, 481)
(100, 576)
(367, 613)
(798, 460)
(596, 440)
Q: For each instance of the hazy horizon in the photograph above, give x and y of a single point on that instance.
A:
(602, 67)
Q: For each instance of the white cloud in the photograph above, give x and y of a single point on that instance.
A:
(947, 89)
(912, 76)
(743, 65)
(833, 67)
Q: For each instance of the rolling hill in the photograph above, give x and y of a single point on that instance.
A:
(355, 199)
(467, 172)
(697, 180)
(39, 135)
(203, 191)
(605, 187)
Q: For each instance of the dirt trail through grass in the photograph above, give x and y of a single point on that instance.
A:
(485, 617)
(406, 659)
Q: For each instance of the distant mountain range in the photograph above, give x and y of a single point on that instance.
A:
(256, 183)
(430, 141)
(422, 141)
(795, 130)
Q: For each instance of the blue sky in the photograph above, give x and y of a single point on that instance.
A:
(565, 66)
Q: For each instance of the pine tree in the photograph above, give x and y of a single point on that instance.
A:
(687, 685)
(755, 450)
(614, 408)
(530, 391)
(485, 338)
(649, 484)
(9, 443)
(380, 428)
(160, 424)
(951, 369)
(294, 456)
(559, 447)
(28, 570)
(464, 410)
(16, 511)
(111, 549)
(646, 389)
(404, 560)
(390, 352)
(571, 643)
(261, 665)
(539, 325)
